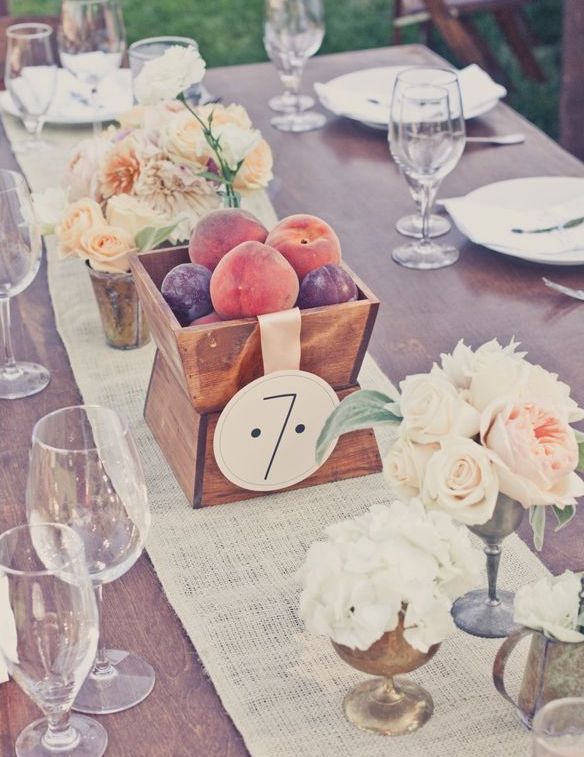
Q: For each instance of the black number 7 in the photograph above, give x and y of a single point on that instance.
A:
(286, 419)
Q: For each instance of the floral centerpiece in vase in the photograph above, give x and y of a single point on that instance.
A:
(381, 588)
(484, 436)
(151, 180)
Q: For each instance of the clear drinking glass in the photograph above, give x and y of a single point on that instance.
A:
(154, 47)
(49, 635)
(411, 225)
(31, 77)
(92, 41)
(293, 32)
(20, 258)
(427, 137)
(85, 471)
(558, 729)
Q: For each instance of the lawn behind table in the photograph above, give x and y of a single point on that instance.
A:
(230, 32)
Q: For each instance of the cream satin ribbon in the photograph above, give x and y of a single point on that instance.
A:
(280, 340)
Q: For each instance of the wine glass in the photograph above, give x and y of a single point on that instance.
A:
(92, 41)
(143, 50)
(411, 225)
(558, 728)
(85, 472)
(427, 139)
(20, 258)
(49, 635)
(293, 32)
(31, 77)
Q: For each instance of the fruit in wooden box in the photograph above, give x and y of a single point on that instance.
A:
(221, 231)
(307, 242)
(327, 285)
(186, 289)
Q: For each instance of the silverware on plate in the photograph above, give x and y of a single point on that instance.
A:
(577, 294)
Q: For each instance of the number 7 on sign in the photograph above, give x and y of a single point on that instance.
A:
(292, 398)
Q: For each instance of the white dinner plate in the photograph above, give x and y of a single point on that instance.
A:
(71, 103)
(533, 193)
(370, 83)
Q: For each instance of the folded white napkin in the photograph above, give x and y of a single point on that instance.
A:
(371, 100)
(494, 225)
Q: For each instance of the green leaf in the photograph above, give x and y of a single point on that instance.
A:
(563, 516)
(537, 516)
(361, 409)
(580, 465)
(149, 237)
(210, 176)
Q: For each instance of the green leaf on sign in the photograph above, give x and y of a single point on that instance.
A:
(150, 237)
(361, 409)
(563, 515)
(537, 522)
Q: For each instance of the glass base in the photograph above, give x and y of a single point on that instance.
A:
(128, 683)
(286, 103)
(367, 707)
(474, 614)
(298, 122)
(23, 381)
(411, 226)
(425, 257)
(89, 739)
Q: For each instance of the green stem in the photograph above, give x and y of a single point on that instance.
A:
(558, 227)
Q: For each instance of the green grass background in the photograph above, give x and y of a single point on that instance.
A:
(230, 32)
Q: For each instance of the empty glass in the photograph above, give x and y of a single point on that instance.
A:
(558, 729)
(92, 41)
(20, 258)
(31, 77)
(154, 47)
(427, 136)
(411, 225)
(85, 471)
(293, 32)
(48, 621)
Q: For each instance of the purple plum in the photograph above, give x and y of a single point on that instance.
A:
(186, 290)
(327, 285)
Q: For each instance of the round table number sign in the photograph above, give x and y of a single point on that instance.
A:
(266, 435)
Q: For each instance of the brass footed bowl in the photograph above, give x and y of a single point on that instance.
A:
(384, 705)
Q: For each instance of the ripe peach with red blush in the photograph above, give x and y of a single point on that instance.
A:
(253, 279)
(307, 242)
(220, 231)
(211, 317)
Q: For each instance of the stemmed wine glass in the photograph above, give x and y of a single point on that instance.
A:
(92, 41)
(293, 32)
(411, 225)
(49, 635)
(427, 138)
(20, 258)
(31, 77)
(85, 471)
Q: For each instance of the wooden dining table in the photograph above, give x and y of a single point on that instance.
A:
(344, 174)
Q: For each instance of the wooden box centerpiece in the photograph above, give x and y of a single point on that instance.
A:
(198, 369)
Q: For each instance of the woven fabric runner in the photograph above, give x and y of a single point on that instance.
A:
(230, 571)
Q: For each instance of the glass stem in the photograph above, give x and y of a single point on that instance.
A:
(425, 207)
(96, 119)
(387, 693)
(8, 366)
(493, 553)
(60, 735)
(102, 667)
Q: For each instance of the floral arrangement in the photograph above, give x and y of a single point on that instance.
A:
(551, 605)
(153, 177)
(394, 559)
(480, 423)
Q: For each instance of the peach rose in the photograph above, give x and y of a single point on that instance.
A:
(182, 138)
(404, 467)
(82, 172)
(121, 167)
(535, 453)
(78, 218)
(225, 114)
(107, 248)
(132, 215)
(256, 171)
(133, 118)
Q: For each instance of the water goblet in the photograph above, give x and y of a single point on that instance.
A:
(558, 729)
(31, 77)
(92, 41)
(293, 32)
(428, 140)
(85, 471)
(20, 258)
(411, 225)
(49, 635)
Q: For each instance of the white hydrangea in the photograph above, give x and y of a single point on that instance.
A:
(550, 605)
(169, 75)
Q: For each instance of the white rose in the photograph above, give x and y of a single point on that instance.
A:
(462, 363)
(168, 76)
(183, 139)
(461, 480)
(432, 409)
(49, 207)
(404, 466)
(550, 605)
(82, 172)
(133, 215)
(236, 142)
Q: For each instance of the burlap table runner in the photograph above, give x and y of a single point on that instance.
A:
(229, 571)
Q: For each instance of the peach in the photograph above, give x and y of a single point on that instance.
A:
(307, 242)
(220, 231)
(211, 317)
(253, 279)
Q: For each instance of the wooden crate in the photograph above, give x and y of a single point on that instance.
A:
(199, 368)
